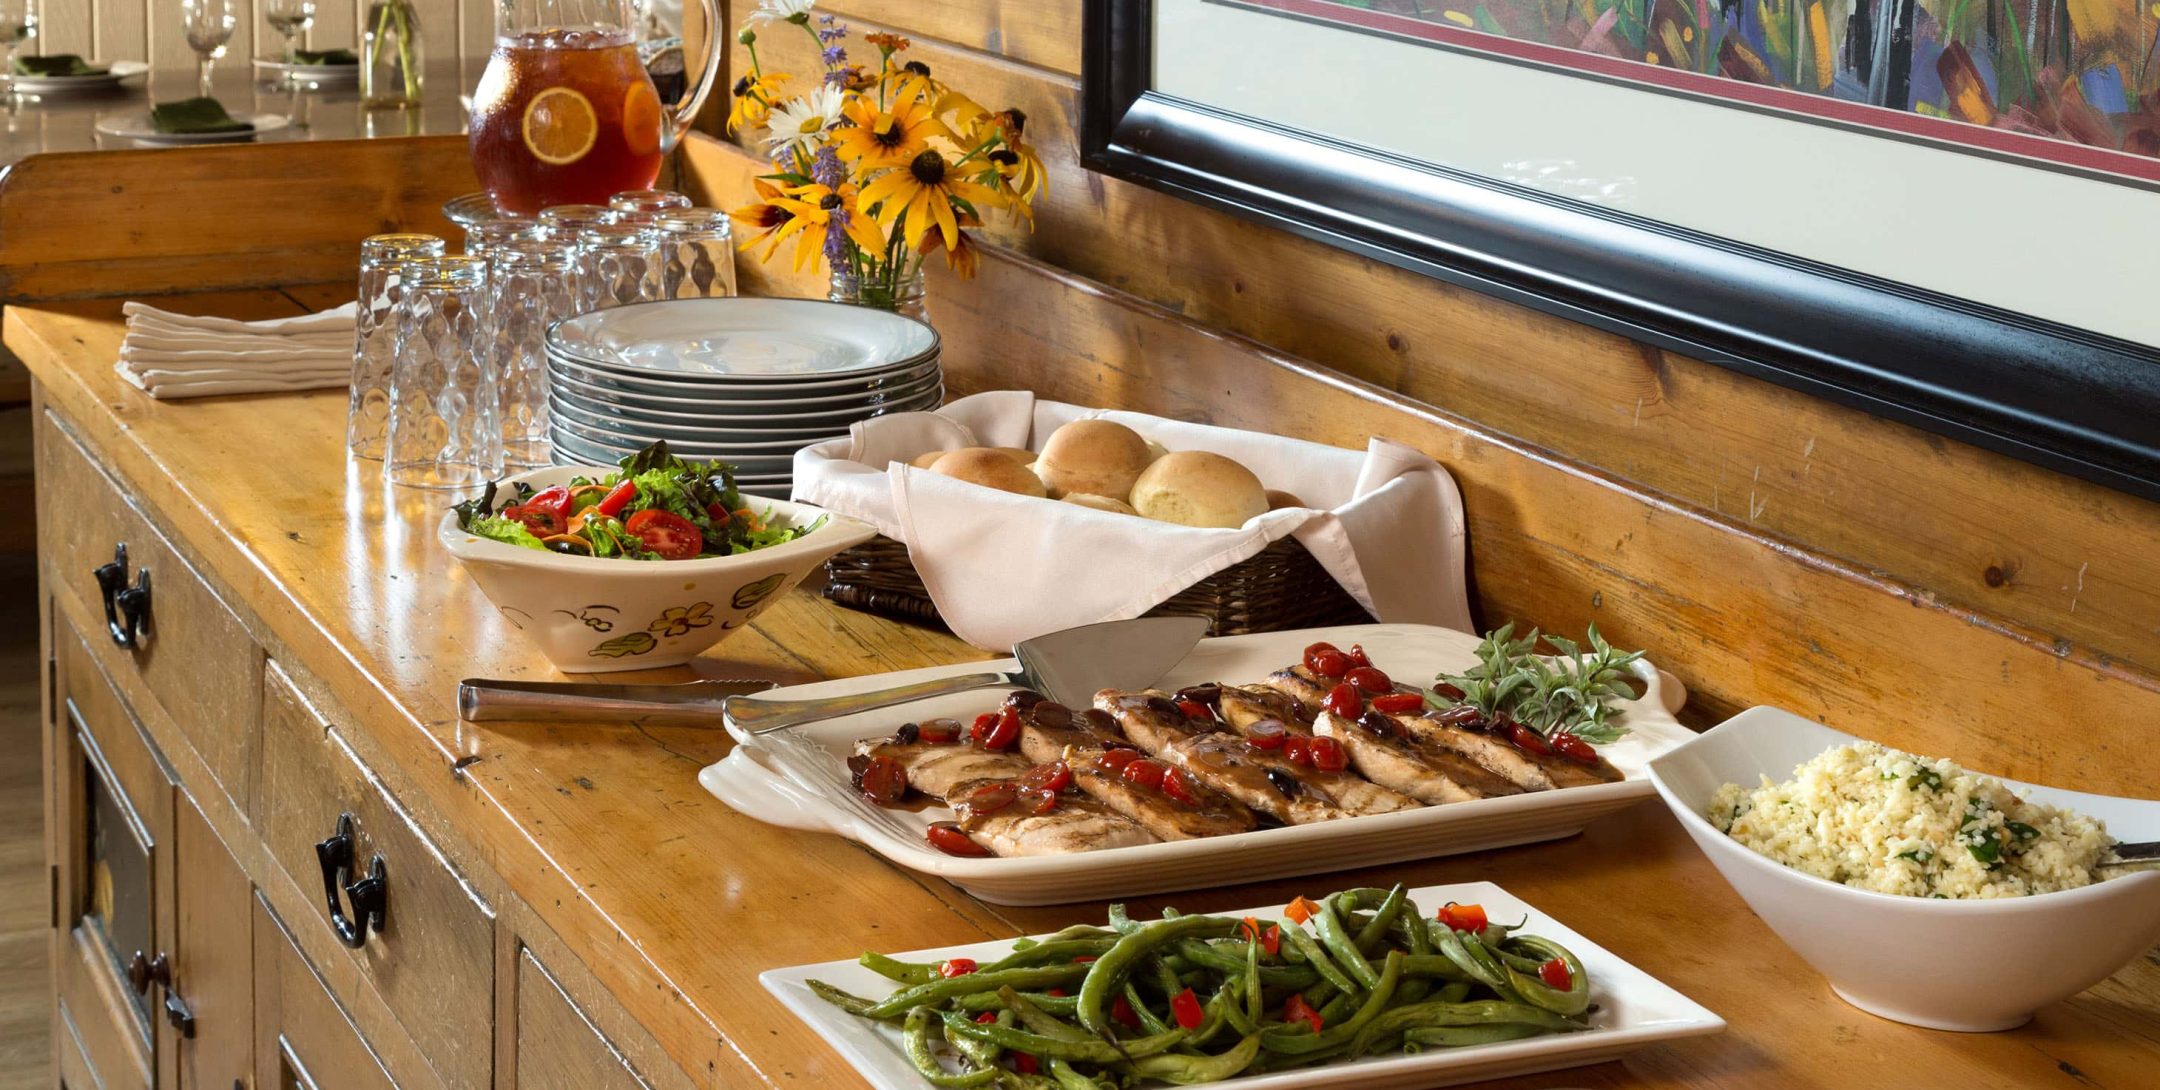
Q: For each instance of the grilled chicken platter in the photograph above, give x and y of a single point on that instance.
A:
(1327, 738)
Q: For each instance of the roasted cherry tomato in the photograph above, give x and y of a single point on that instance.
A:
(1344, 700)
(1185, 1007)
(1298, 748)
(952, 967)
(950, 839)
(1145, 773)
(1573, 748)
(1555, 975)
(991, 797)
(1266, 734)
(882, 781)
(1025, 1063)
(1297, 1010)
(939, 732)
(1193, 709)
(996, 730)
(666, 533)
(1399, 703)
(1357, 655)
(1178, 786)
(1528, 740)
(1327, 661)
(617, 498)
(1463, 917)
(1328, 755)
(1116, 758)
(1370, 680)
(1447, 690)
(1121, 1012)
(1053, 777)
(1035, 800)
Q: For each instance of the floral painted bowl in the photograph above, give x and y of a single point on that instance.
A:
(591, 614)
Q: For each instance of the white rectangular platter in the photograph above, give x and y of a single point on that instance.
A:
(1633, 1010)
(799, 779)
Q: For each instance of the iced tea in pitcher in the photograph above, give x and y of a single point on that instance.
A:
(565, 112)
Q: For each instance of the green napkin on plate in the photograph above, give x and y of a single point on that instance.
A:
(194, 115)
(58, 64)
(324, 56)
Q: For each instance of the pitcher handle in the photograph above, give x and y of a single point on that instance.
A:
(716, 40)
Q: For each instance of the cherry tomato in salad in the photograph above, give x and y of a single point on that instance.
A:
(949, 838)
(1193, 709)
(555, 498)
(1266, 734)
(1573, 748)
(1326, 660)
(1528, 740)
(952, 967)
(1053, 777)
(1298, 748)
(882, 781)
(1145, 773)
(670, 535)
(1399, 703)
(542, 521)
(1179, 786)
(1328, 755)
(617, 498)
(1555, 975)
(1370, 680)
(1116, 758)
(1185, 1007)
(1463, 917)
(1297, 1010)
(939, 732)
(1344, 701)
(1357, 655)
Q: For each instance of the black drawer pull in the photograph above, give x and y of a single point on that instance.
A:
(178, 1014)
(369, 895)
(127, 608)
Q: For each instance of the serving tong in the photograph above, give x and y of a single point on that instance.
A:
(2130, 855)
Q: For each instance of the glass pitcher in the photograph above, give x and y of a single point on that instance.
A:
(565, 112)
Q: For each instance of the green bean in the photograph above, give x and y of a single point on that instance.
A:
(1138, 1003)
(1458, 1036)
(853, 1004)
(1118, 960)
(1094, 1051)
(1044, 953)
(1207, 956)
(1484, 1012)
(1534, 990)
(1215, 1017)
(1234, 1013)
(1433, 965)
(938, 991)
(1375, 930)
(905, 972)
(1120, 922)
(1339, 943)
(1069, 1079)
(1183, 1070)
(1457, 949)
(1346, 1031)
(917, 1035)
(1036, 1019)
(1452, 992)
(1255, 997)
(1319, 960)
(976, 1003)
(1167, 980)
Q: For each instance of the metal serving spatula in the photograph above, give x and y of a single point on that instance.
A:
(2139, 854)
(1067, 667)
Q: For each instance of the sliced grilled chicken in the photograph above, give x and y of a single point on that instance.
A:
(1264, 780)
(951, 772)
(1480, 762)
(1530, 771)
(1242, 706)
(942, 770)
(1382, 754)
(1051, 731)
(1301, 684)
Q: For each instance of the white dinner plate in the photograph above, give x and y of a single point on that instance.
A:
(135, 125)
(591, 452)
(662, 412)
(639, 434)
(115, 72)
(309, 73)
(799, 778)
(1634, 1009)
(562, 377)
(889, 381)
(623, 424)
(744, 339)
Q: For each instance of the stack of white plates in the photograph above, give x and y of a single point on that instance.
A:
(746, 381)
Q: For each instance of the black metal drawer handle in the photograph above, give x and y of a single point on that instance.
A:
(127, 608)
(368, 895)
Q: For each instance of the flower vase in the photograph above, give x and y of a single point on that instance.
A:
(904, 298)
(390, 61)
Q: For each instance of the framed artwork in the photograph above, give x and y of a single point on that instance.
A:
(1946, 212)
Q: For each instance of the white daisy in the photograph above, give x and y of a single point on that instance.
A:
(802, 123)
(781, 11)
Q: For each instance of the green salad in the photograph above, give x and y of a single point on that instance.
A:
(659, 507)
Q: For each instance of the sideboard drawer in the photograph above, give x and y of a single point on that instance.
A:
(558, 1048)
(188, 652)
(430, 953)
(303, 1040)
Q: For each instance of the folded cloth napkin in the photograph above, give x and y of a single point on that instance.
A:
(171, 355)
(1386, 522)
(195, 115)
(58, 64)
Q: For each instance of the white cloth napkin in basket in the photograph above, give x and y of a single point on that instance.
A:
(170, 355)
(1386, 522)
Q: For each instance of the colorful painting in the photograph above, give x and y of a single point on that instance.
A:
(2075, 82)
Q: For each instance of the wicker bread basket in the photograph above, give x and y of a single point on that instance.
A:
(1281, 587)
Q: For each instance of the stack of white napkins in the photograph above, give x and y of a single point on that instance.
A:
(172, 355)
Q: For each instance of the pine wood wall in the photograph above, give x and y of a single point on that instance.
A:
(149, 30)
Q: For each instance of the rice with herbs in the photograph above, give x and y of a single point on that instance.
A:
(1880, 819)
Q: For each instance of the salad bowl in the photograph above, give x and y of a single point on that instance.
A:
(595, 614)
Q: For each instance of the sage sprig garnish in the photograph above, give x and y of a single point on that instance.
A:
(1567, 690)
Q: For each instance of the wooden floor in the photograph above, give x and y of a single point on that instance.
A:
(24, 1013)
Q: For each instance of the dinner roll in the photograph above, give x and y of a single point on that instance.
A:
(988, 467)
(1100, 503)
(1100, 457)
(1277, 499)
(1022, 455)
(1155, 450)
(928, 458)
(1196, 488)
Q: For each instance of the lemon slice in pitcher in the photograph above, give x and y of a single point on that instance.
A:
(641, 118)
(560, 126)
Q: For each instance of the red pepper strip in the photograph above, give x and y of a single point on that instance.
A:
(1185, 1007)
(1300, 910)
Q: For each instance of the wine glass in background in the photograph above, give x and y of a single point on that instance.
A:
(18, 24)
(289, 18)
(207, 25)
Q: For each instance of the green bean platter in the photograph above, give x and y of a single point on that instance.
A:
(1363, 987)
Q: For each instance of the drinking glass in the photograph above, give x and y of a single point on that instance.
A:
(208, 25)
(529, 288)
(617, 263)
(641, 205)
(18, 24)
(289, 17)
(697, 253)
(382, 258)
(444, 433)
(484, 238)
(567, 221)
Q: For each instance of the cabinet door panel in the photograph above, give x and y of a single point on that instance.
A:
(303, 1040)
(213, 970)
(558, 1048)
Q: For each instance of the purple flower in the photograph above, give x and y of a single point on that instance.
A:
(836, 239)
(835, 56)
(826, 170)
(830, 30)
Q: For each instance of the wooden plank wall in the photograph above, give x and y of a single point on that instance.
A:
(149, 30)
(1964, 527)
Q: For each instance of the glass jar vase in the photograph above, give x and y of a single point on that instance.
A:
(903, 295)
(390, 57)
